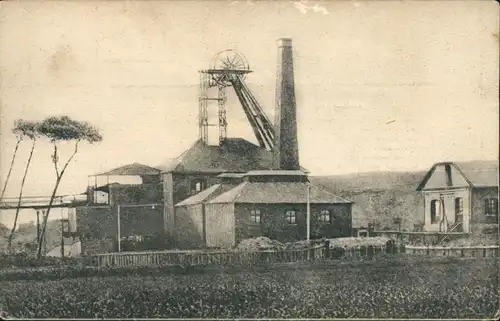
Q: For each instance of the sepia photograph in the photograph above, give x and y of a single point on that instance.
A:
(224, 159)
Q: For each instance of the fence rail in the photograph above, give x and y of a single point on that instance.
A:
(233, 257)
(199, 257)
(423, 238)
(463, 251)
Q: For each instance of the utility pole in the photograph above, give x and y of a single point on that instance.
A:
(37, 227)
(119, 231)
(308, 212)
(308, 219)
(62, 238)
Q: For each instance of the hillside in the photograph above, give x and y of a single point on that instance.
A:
(379, 197)
(407, 181)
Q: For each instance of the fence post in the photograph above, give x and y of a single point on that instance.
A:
(327, 250)
(370, 252)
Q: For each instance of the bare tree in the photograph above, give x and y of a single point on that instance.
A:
(58, 129)
(23, 129)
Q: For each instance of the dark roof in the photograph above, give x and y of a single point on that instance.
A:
(134, 169)
(277, 192)
(235, 155)
(476, 173)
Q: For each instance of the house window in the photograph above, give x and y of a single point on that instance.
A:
(255, 216)
(324, 216)
(291, 217)
(435, 211)
(459, 206)
(491, 206)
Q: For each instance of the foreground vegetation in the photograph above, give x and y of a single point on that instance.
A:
(397, 288)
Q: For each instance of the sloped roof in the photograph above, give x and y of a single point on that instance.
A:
(234, 155)
(134, 169)
(200, 197)
(231, 175)
(277, 192)
(276, 173)
(206, 195)
(476, 173)
(480, 173)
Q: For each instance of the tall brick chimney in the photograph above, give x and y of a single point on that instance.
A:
(286, 149)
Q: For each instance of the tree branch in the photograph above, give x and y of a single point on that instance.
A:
(11, 166)
(55, 160)
(11, 235)
(73, 155)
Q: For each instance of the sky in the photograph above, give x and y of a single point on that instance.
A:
(380, 85)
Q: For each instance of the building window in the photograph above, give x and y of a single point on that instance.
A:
(491, 206)
(435, 211)
(255, 216)
(459, 206)
(362, 233)
(324, 216)
(197, 186)
(291, 217)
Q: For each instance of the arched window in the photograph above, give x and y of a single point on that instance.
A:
(435, 211)
(291, 217)
(491, 206)
(459, 206)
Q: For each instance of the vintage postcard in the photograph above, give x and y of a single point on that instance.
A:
(249, 159)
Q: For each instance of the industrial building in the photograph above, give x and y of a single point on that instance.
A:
(214, 195)
(461, 197)
(260, 203)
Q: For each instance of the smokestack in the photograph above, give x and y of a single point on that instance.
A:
(286, 149)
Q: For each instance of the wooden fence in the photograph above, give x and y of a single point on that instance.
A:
(422, 238)
(232, 257)
(466, 251)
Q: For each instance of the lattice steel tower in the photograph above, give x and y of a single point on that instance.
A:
(229, 69)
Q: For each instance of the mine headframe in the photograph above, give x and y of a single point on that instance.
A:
(229, 69)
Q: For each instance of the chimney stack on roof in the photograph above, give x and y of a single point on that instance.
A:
(286, 150)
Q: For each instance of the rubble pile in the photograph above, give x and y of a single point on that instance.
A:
(357, 242)
(259, 243)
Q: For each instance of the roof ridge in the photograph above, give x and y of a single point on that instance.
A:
(240, 191)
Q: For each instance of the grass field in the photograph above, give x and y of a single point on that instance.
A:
(444, 288)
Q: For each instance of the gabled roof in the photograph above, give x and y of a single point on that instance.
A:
(476, 173)
(206, 195)
(277, 192)
(234, 155)
(134, 169)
